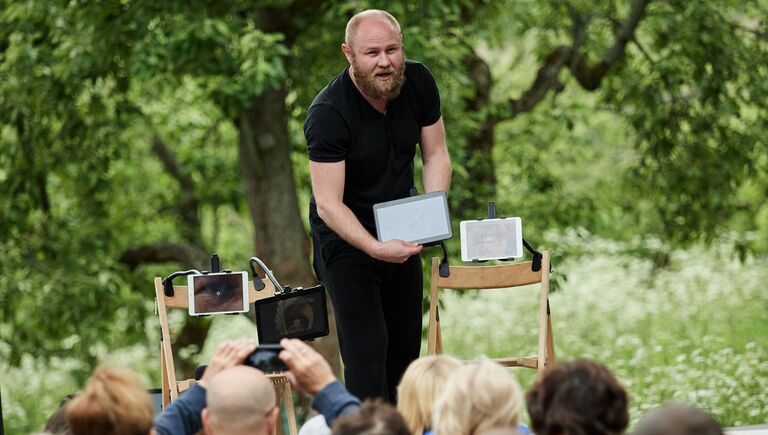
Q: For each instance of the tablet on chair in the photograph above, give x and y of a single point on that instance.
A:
(491, 239)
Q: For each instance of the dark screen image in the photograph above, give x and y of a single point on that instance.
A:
(218, 293)
(301, 315)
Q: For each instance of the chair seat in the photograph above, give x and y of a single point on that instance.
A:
(507, 276)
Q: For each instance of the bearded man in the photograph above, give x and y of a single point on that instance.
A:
(362, 130)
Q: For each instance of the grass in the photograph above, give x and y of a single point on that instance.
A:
(694, 332)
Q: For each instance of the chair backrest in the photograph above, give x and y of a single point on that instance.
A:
(180, 299)
(494, 277)
(171, 387)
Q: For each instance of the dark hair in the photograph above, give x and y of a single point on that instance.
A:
(57, 423)
(577, 398)
(374, 417)
(678, 419)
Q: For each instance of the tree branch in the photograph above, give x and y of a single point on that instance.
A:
(188, 204)
(546, 78)
(165, 252)
(171, 165)
(589, 77)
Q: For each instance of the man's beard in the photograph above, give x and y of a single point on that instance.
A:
(377, 89)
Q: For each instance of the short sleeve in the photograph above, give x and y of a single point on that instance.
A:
(327, 134)
(429, 96)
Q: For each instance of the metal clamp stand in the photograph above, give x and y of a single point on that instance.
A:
(168, 280)
(258, 284)
(445, 268)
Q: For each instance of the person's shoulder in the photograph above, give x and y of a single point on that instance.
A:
(335, 92)
(416, 69)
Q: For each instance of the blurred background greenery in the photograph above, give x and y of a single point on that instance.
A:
(138, 137)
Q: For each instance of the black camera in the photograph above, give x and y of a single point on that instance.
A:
(266, 358)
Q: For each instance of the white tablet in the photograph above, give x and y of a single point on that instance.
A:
(421, 219)
(218, 293)
(491, 239)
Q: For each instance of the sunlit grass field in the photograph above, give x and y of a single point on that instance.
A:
(695, 331)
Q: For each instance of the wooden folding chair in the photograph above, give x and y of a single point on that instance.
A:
(490, 277)
(171, 388)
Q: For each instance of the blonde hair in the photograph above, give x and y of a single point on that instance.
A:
(477, 397)
(113, 403)
(356, 20)
(422, 383)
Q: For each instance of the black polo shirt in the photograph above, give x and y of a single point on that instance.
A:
(378, 148)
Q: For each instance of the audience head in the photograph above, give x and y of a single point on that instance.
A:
(241, 400)
(372, 418)
(113, 403)
(577, 398)
(422, 383)
(57, 422)
(477, 397)
(678, 419)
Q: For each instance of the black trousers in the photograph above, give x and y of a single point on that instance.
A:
(378, 313)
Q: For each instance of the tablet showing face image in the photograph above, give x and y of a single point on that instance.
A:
(299, 314)
(218, 293)
(491, 239)
(421, 219)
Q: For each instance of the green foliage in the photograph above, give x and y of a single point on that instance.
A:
(697, 102)
(672, 145)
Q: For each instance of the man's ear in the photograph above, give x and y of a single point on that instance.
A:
(347, 51)
(206, 421)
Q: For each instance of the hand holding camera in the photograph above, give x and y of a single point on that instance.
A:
(308, 371)
(229, 354)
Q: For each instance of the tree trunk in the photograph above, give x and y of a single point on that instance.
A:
(280, 238)
(478, 159)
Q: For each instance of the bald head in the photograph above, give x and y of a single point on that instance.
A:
(370, 15)
(241, 400)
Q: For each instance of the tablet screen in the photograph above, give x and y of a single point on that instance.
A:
(491, 239)
(218, 293)
(420, 219)
(300, 314)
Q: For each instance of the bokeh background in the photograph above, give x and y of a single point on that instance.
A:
(139, 137)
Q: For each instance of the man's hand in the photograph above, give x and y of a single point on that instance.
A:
(395, 251)
(229, 354)
(308, 371)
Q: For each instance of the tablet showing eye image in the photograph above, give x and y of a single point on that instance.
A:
(218, 293)
(421, 219)
(491, 239)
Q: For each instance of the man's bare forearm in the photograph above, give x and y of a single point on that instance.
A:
(343, 222)
(437, 174)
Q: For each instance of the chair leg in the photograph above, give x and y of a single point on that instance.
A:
(439, 346)
(550, 342)
(290, 413)
(166, 386)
